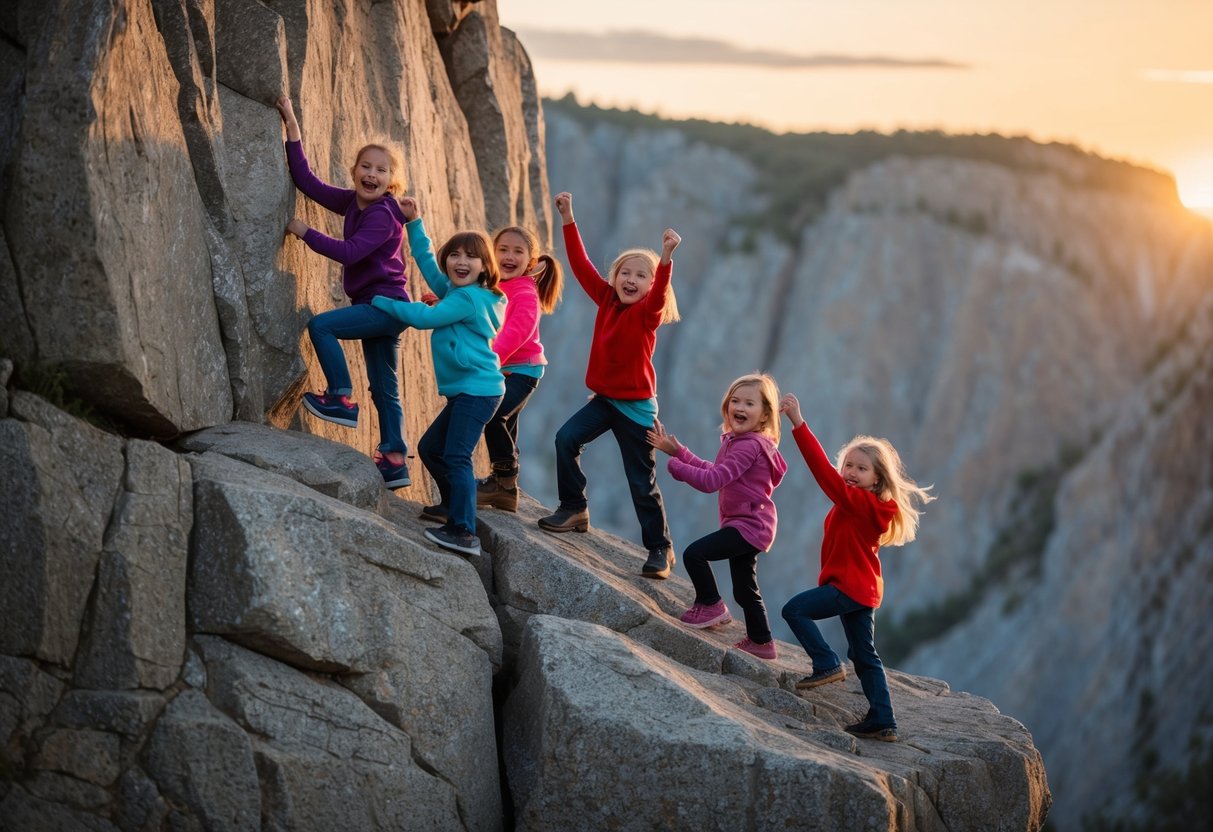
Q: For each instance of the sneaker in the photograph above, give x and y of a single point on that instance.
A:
(566, 520)
(765, 651)
(702, 616)
(871, 730)
(456, 539)
(436, 512)
(394, 476)
(822, 677)
(659, 563)
(336, 409)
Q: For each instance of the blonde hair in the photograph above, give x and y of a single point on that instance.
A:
(549, 279)
(768, 392)
(892, 483)
(669, 312)
(474, 244)
(395, 161)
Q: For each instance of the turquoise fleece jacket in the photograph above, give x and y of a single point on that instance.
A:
(465, 321)
(464, 324)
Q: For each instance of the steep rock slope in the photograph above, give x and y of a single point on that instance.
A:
(999, 322)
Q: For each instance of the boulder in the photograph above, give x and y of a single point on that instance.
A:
(331, 468)
(309, 732)
(63, 477)
(135, 628)
(202, 761)
(596, 720)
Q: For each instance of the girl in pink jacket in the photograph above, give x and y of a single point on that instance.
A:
(532, 282)
(747, 469)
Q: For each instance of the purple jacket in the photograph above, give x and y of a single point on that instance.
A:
(747, 469)
(370, 252)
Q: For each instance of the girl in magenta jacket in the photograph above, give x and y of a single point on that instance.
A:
(747, 469)
(532, 282)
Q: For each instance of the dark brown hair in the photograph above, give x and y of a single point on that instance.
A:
(474, 244)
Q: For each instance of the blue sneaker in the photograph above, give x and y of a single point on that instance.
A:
(394, 476)
(336, 409)
(457, 539)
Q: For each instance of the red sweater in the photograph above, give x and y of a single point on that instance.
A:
(853, 527)
(621, 352)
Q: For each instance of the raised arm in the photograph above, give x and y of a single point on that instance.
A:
(331, 197)
(423, 252)
(583, 269)
(827, 476)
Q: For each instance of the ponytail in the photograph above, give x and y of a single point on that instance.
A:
(549, 280)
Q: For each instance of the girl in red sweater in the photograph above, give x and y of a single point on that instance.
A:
(875, 504)
(634, 300)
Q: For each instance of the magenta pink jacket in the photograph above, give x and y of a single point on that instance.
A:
(518, 340)
(747, 469)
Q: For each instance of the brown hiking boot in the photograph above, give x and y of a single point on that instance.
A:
(566, 520)
(499, 490)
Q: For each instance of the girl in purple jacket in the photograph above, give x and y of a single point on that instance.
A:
(747, 469)
(371, 265)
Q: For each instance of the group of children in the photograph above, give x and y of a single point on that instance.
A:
(484, 306)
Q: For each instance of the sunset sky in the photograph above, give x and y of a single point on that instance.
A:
(1127, 79)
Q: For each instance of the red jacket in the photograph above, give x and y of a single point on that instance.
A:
(621, 352)
(853, 527)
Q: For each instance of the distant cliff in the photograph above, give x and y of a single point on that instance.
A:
(1031, 328)
(211, 622)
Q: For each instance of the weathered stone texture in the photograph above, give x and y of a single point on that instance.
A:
(63, 478)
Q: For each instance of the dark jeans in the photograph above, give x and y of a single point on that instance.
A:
(501, 433)
(446, 451)
(728, 544)
(379, 333)
(639, 465)
(859, 624)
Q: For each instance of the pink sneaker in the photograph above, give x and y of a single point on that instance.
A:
(700, 616)
(763, 651)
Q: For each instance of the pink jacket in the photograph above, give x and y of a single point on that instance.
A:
(518, 340)
(747, 469)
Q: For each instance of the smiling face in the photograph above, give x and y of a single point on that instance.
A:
(463, 267)
(744, 410)
(633, 279)
(372, 176)
(514, 256)
(857, 470)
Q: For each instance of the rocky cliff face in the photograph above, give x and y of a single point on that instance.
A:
(1036, 349)
(209, 622)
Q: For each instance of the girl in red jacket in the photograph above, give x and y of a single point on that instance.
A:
(634, 300)
(875, 504)
(747, 469)
(532, 282)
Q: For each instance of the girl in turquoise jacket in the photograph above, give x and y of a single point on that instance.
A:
(464, 321)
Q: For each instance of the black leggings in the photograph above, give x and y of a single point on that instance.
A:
(728, 544)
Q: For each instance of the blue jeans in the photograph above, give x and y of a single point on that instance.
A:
(501, 433)
(446, 451)
(379, 333)
(728, 544)
(859, 624)
(639, 466)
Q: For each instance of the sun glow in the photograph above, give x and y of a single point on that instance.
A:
(1195, 184)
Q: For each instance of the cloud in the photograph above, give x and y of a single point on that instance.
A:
(1179, 76)
(646, 48)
